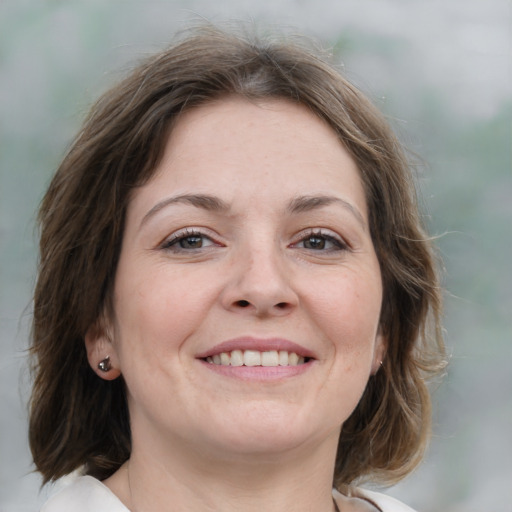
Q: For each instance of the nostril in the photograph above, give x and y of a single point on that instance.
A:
(243, 303)
(281, 305)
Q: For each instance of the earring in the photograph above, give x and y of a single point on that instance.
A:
(105, 365)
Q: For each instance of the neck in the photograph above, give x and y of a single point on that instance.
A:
(299, 480)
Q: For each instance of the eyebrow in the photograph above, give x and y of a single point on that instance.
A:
(206, 202)
(301, 204)
(309, 203)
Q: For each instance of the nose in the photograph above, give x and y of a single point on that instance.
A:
(260, 284)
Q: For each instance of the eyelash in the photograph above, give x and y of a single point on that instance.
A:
(338, 244)
(173, 243)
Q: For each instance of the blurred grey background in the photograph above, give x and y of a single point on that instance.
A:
(441, 71)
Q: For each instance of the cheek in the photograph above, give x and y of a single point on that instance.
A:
(348, 311)
(156, 311)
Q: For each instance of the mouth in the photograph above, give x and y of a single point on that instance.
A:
(269, 358)
(253, 353)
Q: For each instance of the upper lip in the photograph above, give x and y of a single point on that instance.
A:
(259, 344)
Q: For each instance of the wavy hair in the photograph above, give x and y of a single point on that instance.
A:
(79, 420)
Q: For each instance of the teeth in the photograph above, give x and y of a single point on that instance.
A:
(283, 358)
(256, 358)
(270, 358)
(293, 359)
(237, 358)
(252, 358)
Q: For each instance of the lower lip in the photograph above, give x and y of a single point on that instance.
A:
(259, 373)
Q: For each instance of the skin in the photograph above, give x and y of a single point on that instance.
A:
(270, 264)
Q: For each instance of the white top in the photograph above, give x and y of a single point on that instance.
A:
(84, 494)
(87, 494)
(383, 502)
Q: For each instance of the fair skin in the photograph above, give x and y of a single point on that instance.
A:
(251, 236)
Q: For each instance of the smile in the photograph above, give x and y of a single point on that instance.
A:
(256, 358)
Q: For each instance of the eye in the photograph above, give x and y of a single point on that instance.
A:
(187, 240)
(321, 241)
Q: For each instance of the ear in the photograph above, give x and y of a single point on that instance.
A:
(379, 351)
(100, 349)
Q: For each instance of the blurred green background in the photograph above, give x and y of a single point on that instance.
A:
(441, 71)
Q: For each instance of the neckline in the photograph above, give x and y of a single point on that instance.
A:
(359, 493)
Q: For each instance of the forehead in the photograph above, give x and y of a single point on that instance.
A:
(267, 149)
(234, 120)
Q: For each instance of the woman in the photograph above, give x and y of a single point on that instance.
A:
(236, 307)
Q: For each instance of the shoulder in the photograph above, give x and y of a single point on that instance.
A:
(84, 494)
(383, 502)
(361, 499)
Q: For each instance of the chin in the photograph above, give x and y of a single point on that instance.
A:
(268, 431)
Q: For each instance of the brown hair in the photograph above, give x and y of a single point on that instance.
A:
(78, 419)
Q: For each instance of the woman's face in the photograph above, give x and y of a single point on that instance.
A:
(248, 292)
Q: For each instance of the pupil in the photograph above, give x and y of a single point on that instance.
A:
(315, 242)
(191, 242)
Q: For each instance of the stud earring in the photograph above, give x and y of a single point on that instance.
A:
(104, 365)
